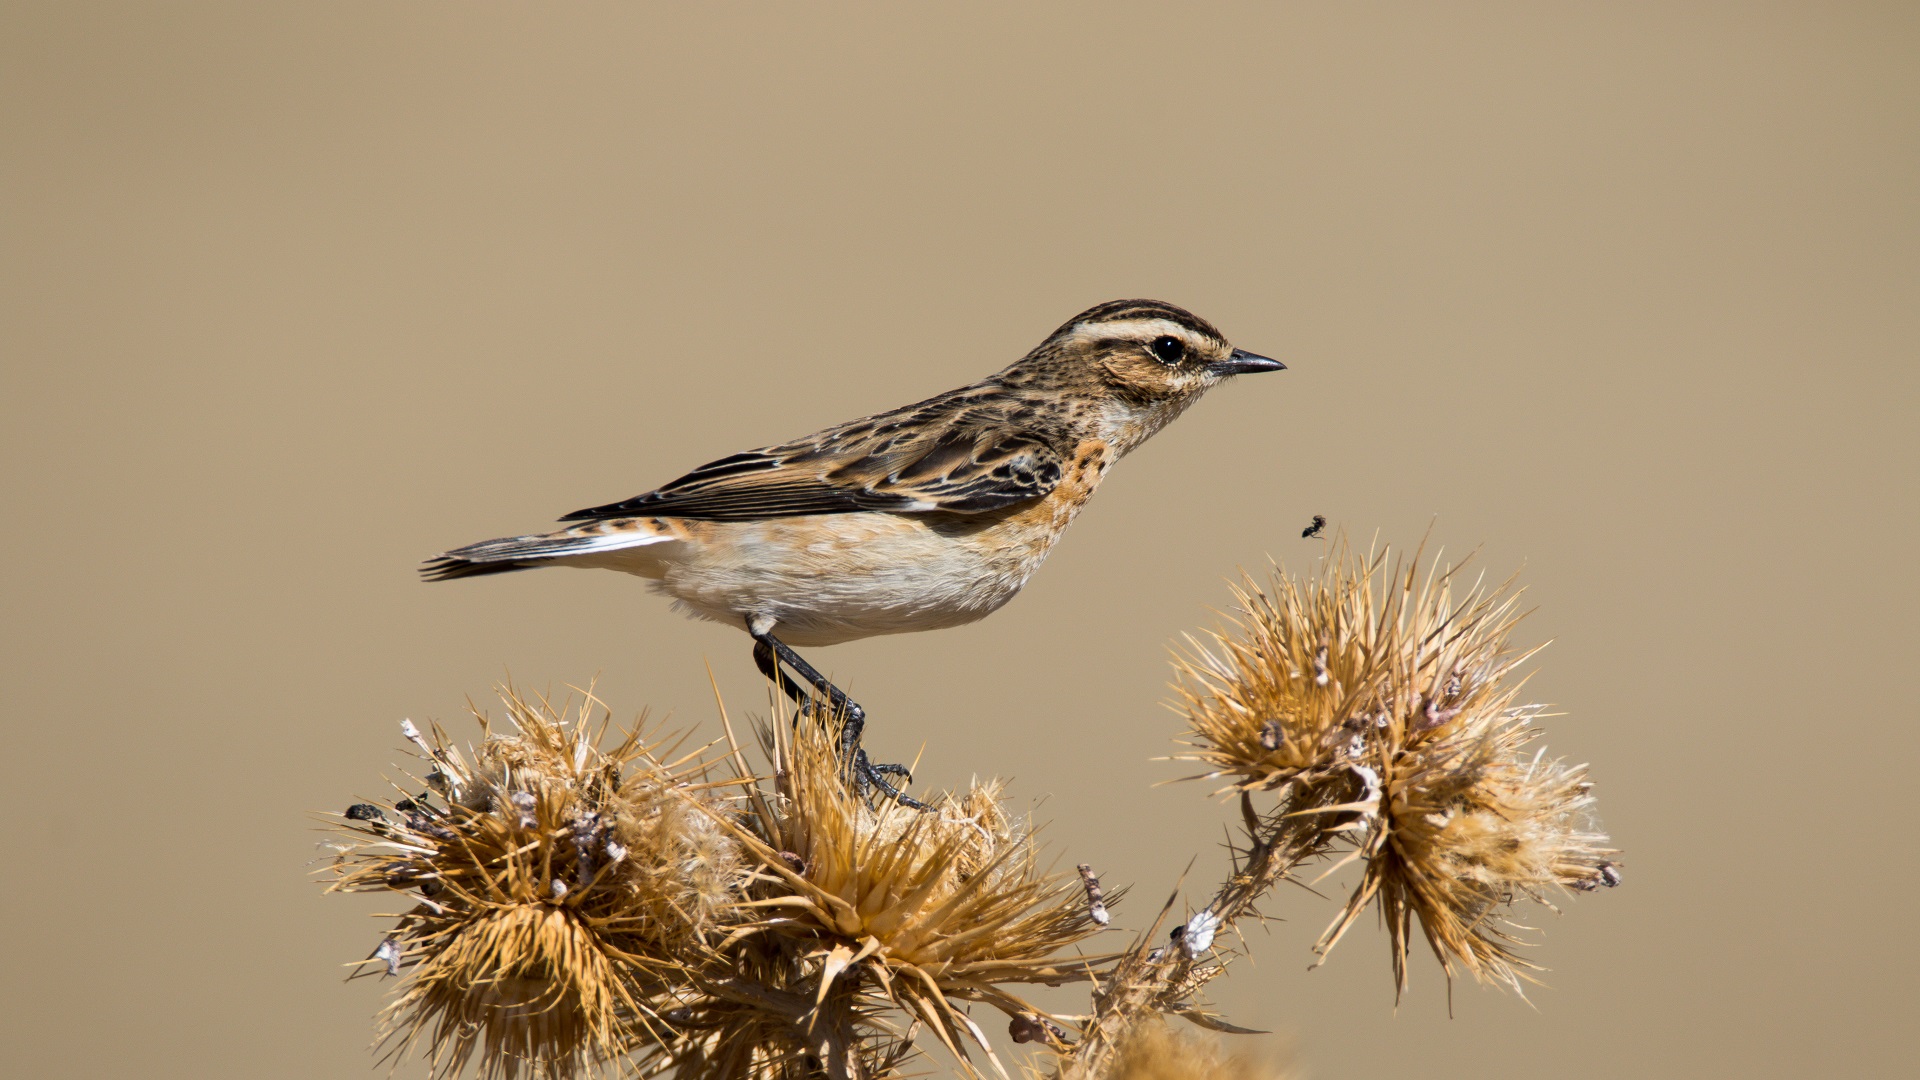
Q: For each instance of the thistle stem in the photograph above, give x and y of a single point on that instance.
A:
(832, 1039)
(1146, 983)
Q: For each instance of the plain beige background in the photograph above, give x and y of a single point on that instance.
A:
(1625, 295)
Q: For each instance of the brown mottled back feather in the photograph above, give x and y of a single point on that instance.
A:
(997, 442)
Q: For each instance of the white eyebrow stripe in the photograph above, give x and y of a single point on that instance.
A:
(1134, 329)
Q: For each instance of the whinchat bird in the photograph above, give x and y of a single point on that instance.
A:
(928, 516)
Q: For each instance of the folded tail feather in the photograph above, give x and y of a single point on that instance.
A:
(447, 569)
(510, 553)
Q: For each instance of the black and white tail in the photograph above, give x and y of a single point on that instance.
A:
(586, 545)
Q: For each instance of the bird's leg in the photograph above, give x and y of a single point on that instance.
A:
(769, 665)
(769, 653)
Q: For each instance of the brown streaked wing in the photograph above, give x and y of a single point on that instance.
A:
(965, 470)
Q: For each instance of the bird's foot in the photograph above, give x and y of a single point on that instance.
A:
(863, 777)
(829, 705)
(869, 778)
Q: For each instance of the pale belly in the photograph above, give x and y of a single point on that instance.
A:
(835, 578)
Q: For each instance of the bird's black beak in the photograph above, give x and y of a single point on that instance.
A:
(1242, 362)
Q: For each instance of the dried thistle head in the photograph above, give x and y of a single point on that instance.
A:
(1471, 824)
(1311, 668)
(558, 889)
(884, 906)
(1391, 686)
(1277, 694)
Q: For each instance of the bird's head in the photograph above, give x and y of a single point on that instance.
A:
(1145, 358)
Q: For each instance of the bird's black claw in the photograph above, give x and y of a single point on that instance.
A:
(869, 778)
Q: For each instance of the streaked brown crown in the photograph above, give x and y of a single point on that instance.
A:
(1125, 310)
(1107, 350)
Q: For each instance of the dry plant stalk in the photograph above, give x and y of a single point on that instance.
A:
(577, 910)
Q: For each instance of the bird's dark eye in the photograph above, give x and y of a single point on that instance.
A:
(1167, 349)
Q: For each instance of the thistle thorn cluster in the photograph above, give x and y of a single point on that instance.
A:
(574, 907)
(1377, 700)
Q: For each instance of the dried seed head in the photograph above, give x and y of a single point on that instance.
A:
(1281, 692)
(1389, 684)
(1310, 666)
(1470, 826)
(1453, 820)
(957, 886)
(569, 885)
(915, 910)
